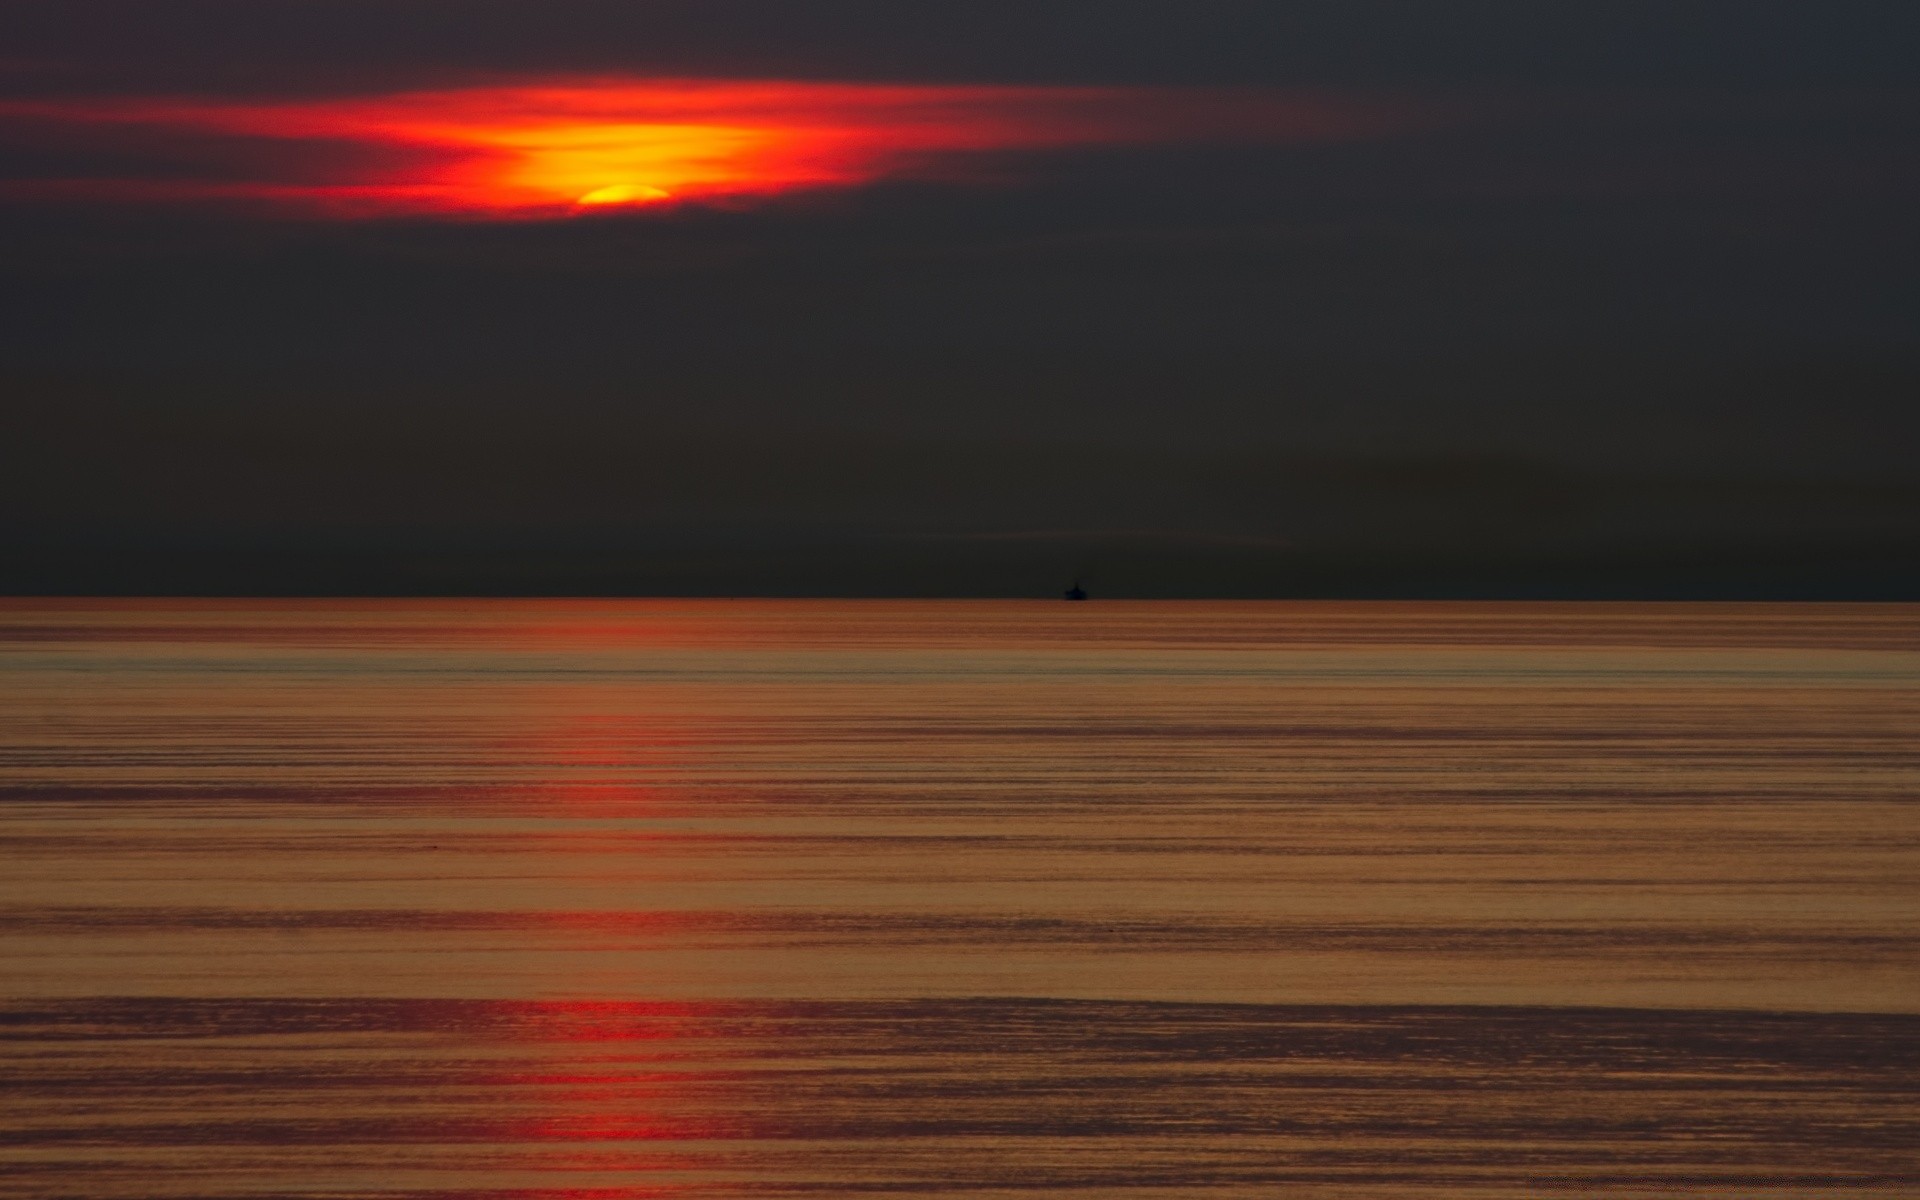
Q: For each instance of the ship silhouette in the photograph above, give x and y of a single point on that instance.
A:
(1076, 592)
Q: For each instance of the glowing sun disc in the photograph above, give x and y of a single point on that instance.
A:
(623, 193)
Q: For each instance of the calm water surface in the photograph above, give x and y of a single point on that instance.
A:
(738, 898)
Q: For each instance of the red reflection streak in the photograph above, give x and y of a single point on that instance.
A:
(601, 748)
(595, 758)
(552, 148)
(630, 1071)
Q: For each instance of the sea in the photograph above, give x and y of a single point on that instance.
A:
(716, 898)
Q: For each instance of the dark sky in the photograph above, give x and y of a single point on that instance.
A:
(1620, 300)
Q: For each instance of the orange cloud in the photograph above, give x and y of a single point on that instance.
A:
(555, 148)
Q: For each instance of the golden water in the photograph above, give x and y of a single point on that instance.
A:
(718, 898)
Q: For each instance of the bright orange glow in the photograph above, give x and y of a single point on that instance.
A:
(626, 193)
(556, 148)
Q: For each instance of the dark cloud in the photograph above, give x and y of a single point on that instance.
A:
(703, 476)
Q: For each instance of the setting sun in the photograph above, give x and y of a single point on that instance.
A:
(552, 148)
(547, 148)
(624, 193)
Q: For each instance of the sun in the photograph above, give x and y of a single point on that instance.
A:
(623, 194)
(552, 147)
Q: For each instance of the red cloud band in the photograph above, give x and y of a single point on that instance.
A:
(556, 147)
